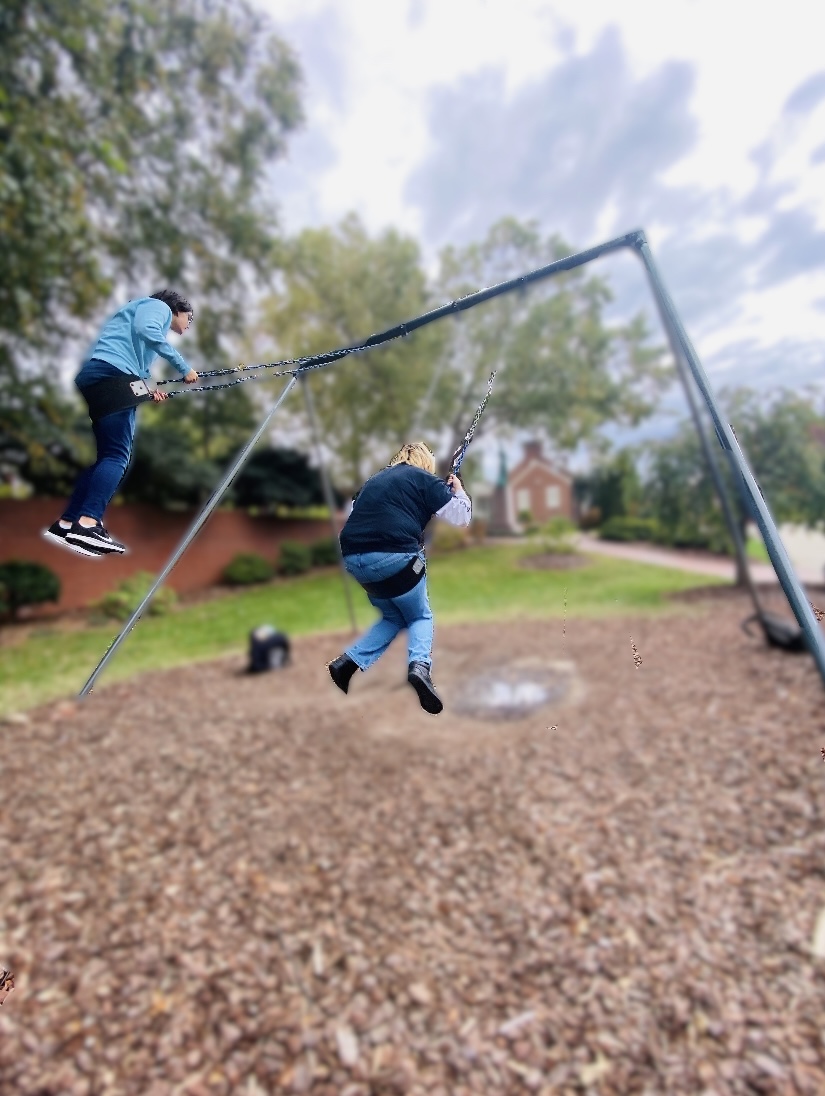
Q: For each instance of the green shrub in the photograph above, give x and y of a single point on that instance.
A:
(120, 603)
(23, 583)
(477, 530)
(711, 538)
(627, 528)
(448, 538)
(324, 553)
(556, 537)
(247, 568)
(294, 559)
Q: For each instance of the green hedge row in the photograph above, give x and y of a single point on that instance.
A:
(294, 559)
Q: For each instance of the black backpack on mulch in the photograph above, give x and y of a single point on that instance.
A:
(268, 649)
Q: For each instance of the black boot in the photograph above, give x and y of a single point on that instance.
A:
(418, 675)
(341, 670)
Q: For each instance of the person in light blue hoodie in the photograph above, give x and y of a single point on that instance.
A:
(112, 377)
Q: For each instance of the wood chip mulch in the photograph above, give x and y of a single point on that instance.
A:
(217, 883)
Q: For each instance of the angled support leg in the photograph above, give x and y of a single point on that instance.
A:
(193, 531)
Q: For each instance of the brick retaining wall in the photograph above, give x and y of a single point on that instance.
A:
(151, 536)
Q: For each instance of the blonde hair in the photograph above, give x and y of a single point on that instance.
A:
(417, 454)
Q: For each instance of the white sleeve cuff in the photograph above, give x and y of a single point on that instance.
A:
(458, 511)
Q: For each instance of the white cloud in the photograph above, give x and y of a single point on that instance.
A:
(736, 234)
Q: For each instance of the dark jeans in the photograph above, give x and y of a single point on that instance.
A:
(96, 485)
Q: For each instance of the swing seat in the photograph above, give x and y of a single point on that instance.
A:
(400, 583)
(114, 394)
(778, 632)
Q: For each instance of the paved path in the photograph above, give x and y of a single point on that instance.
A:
(683, 560)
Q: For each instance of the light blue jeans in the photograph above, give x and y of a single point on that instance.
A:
(411, 610)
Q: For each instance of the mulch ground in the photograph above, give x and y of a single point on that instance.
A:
(216, 883)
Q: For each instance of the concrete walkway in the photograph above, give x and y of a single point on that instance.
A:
(702, 563)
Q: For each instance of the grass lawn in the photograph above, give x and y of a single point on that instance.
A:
(756, 550)
(474, 584)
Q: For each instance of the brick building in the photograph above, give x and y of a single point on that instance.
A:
(535, 486)
(538, 487)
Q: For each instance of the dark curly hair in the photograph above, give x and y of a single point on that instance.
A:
(176, 301)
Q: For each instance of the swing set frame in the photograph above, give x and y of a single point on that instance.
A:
(690, 372)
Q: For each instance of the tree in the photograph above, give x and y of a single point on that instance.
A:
(339, 287)
(564, 371)
(278, 477)
(778, 435)
(613, 487)
(134, 140)
(44, 436)
(164, 473)
(680, 493)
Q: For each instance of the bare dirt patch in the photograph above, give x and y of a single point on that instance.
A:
(217, 883)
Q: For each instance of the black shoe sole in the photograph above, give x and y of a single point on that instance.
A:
(80, 550)
(428, 700)
(97, 547)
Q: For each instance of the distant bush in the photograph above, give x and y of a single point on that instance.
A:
(448, 538)
(120, 603)
(627, 528)
(294, 559)
(556, 537)
(23, 583)
(324, 553)
(477, 530)
(247, 568)
(711, 538)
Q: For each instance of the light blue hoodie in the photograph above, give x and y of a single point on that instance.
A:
(131, 340)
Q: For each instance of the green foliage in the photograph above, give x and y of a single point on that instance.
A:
(777, 433)
(563, 370)
(120, 603)
(448, 538)
(555, 537)
(134, 139)
(324, 553)
(44, 437)
(294, 558)
(340, 286)
(164, 473)
(210, 426)
(275, 477)
(246, 569)
(613, 488)
(24, 583)
(628, 529)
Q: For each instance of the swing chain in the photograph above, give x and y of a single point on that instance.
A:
(458, 456)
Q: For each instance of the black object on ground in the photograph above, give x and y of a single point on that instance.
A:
(268, 649)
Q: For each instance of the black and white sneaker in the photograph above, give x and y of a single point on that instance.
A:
(58, 534)
(94, 538)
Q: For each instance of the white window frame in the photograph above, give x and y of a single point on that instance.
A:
(552, 497)
(523, 499)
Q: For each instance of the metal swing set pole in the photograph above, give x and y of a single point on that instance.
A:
(193, 531)
(727, 439)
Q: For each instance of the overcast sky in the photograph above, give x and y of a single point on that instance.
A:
(701, 122)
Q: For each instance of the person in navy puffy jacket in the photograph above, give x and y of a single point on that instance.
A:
(382, 545)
